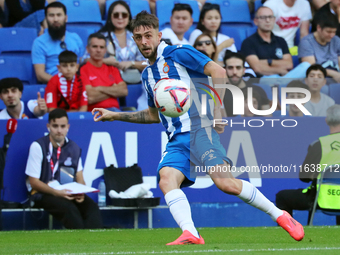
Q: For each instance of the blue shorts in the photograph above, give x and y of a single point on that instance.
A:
(201, 148)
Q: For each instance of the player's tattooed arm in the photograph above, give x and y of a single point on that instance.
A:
(149, 115)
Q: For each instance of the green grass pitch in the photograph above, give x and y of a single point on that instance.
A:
(260, 240)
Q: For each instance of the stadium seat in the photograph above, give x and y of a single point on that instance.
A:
(30, 91)
(329, 180)
(20, 67)
(82, 32)
(239, 34)
(296, 61)
(334, 92)
(257, 5)
(251, 30)
(164, 8)
(17, 41)
(135, 90)
(325, 90)
(234, 12)
(136, 6)
(85, 14)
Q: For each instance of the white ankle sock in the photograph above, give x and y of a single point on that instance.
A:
(251, 195)
(180, 210)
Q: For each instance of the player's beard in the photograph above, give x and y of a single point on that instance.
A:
(57, 32)
(152, 55)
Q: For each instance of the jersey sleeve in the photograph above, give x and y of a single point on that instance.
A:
(147, 88)
(34, 161)
(80, 165)
(51, 93)
(306, 11)
(190, 58)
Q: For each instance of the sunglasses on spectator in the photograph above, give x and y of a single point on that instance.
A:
(63, 45)
(266, 17)
(207, 42)
(124, 15)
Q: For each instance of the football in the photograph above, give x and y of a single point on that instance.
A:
(172, 97)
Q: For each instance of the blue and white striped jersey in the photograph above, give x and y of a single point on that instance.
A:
(185, 63)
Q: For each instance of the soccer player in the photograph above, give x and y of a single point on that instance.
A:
(188, 143)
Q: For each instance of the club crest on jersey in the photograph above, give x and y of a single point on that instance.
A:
(166, 68)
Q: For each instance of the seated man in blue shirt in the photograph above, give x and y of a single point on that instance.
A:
(10, 93)
(268, 55)
(47, 47)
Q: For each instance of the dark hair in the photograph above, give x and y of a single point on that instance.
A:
(229, 54)
(297, 84)
(208, 7)
(212, 41)
(145, 20)
(55, 5)
(109, 27)
(182, 7)
(96, 35)
(7, 83)
(324, 20)
(67, 56)
(316, 67)
(57, 113)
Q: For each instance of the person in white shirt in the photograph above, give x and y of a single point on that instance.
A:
(290, 15)
(181, 20)
(10, 93)
(210, 23)
(315, 80)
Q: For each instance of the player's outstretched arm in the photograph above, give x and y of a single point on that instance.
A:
(146, 116)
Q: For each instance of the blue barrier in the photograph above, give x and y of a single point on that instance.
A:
(124, 144)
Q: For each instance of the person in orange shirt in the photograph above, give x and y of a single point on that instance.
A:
(64, 90)
(103, 83)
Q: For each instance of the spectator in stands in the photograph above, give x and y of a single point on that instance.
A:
(315, 80)
(64, 90)
(204, 42)
(121, 48)
(47, 158)
(180, 21)
(210, 23)
(292, 109)
(318, 154)
(103, 83)
(16, 10)
(290, 16)
(10, 93)
(332, 8)
(268, 54)
(47, 47)
(235, 69)
(323, 47)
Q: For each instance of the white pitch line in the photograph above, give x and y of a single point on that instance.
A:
(201, 251)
